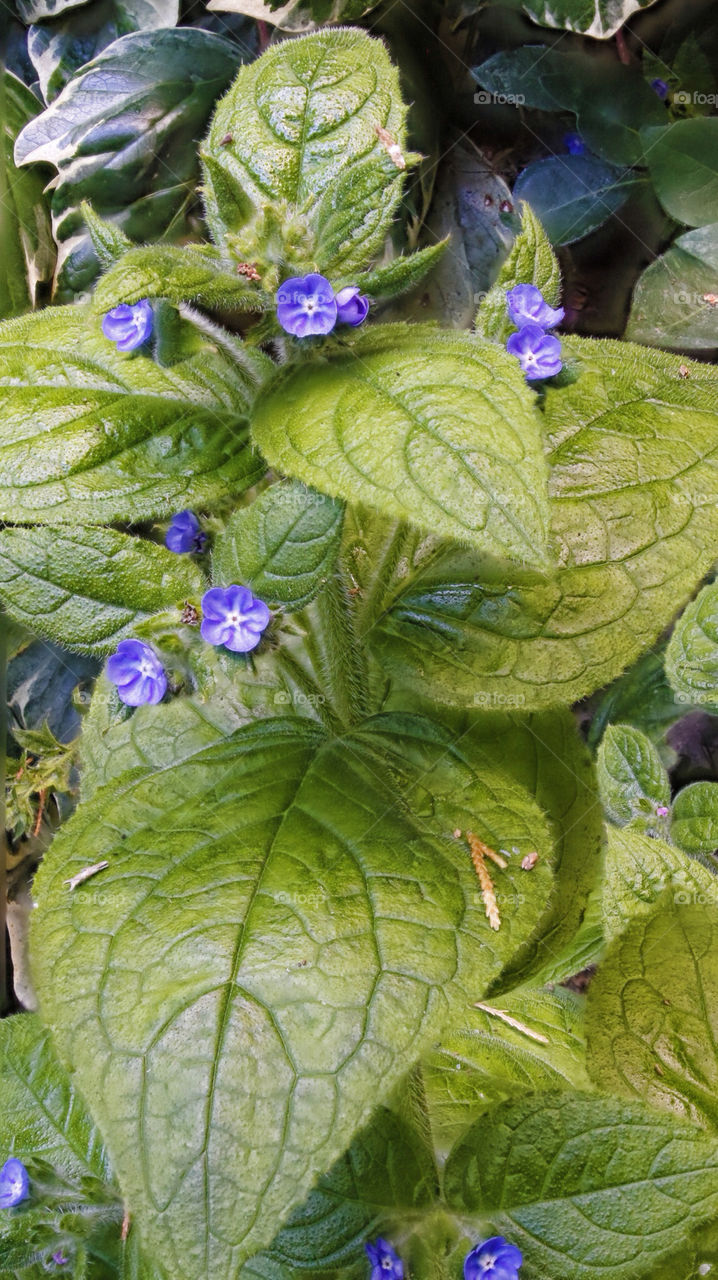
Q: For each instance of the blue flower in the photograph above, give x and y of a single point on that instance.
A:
(660, 87)
(233, 617)
(14, 1183)
(495, 1259)
(352, 306)
(137, 672)
(306, 305)
(539, 353)
(184, 533)
(575, 144)
(527, 305)
(128, 326)
(385, 1263)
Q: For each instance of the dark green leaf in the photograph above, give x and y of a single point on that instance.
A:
(683, 160)
(598, 18)
(28, 253)
(283, 546)
(572, 195)
(87, 588)
(672, 304)
(59, 49)
(122, 136)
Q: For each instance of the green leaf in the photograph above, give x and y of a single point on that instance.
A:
(122, 136)
(303, 123)
(572, 195)
(194, 273)
(692, 653)
(611, 101)
(671, 303)
(296, 15)
(586, 1186)
(531, 261)
(43, 1115)
(525, 1042)
(108, 241)
(642, 697)
(429, 426)
(631, 778)
(36, 10)
(283, 546)
(89, 435)
(62, 47)
(634, 507)
(255, 970)
(598, 18)
(653, 1008)
(28, 252)
(694, 820)
(640, 869)
(683, 162)
(87, 588)
(402, 273)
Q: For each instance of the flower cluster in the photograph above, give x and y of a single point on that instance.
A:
(494, 1259)
(232, 618)
(308, 305)
(538, 352)
(129, 326)
(14, 1183)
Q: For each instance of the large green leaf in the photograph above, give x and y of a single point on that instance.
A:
(28, 252)
(283, 546)
(640, 870)
(86, 587)
(672, 304)
(653, 1012)
(692, 653)
(58, 49)
(276, 939)
(631, 777)
(572, 195)
(522, 1043)
(429, 426)
(195, 273)
(89, 435)
(694, 820)
(299, 129)
(122, 135)
(586, 1187)
(635, 523)
(683, 160)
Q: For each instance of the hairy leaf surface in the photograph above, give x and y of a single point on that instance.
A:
(631, 777)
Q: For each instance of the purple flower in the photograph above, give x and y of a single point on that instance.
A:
(137, 672)
(385, 1263)
(352, 306)
(184, 533)
(232, 616)
(660, 87)
(14, 1183)
(306, 305)
(539, 353)
(495, 1259)
(128, 326)
(662, 810)
(527, 305)
(59, 1258)
(575, 145)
